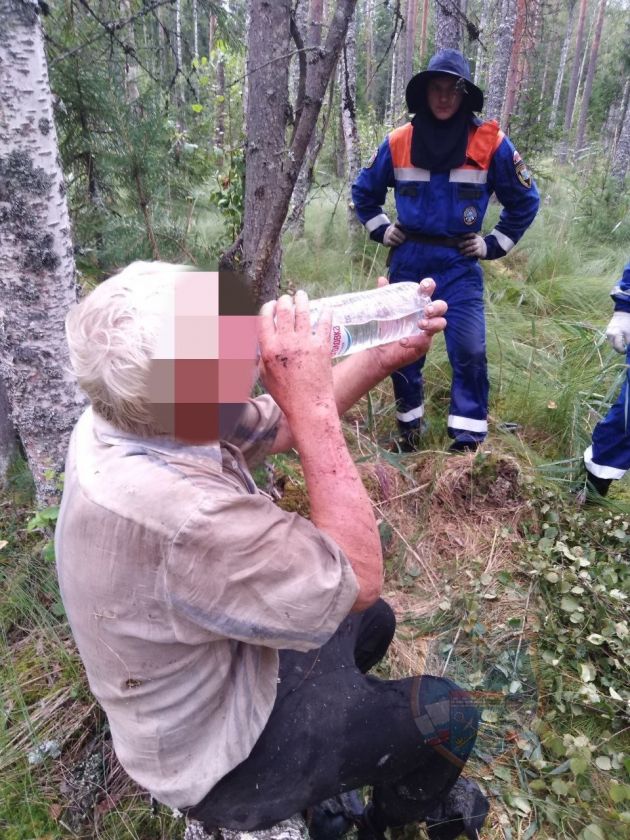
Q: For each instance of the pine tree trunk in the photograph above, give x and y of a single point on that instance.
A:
(37, 284)
(513, 77)
(590, 75)
(348, 89)
(448, 25)
(424, 30)
(411, 33)
(621, 158)
(495, 93)
(553, 117)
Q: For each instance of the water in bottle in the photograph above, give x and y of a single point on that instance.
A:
(376, 316)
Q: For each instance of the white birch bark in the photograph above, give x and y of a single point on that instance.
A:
(349, 119)
(132, 71)
(37, 275)
(590, 75)
(195, 15)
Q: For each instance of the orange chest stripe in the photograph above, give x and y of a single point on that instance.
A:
(483, 141)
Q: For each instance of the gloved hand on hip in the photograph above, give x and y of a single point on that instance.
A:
(393, 236)
(473, 245)
(618, 331)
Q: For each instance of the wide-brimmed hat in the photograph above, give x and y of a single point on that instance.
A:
(451, 63)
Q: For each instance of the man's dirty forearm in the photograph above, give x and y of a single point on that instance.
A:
(340, 505)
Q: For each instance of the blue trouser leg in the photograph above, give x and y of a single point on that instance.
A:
(608, 456)
(461, 286)
(465, 337)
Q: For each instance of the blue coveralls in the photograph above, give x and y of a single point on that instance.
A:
(449, 204)
(608, 456)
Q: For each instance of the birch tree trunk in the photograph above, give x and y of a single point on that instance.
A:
(448, 25)
(553, 117)
(272, 167)
(590, 75)
(369, 51)
(195, 30)
(621, 158)
(132, 71)
(500, 65)
(37, 284)
(573, 84)
(349, 119)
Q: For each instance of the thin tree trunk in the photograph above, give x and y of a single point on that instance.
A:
(8, 440)
(499, 67)
(349, 119)
(369, 51)
(480, 60)
(412, 31)
(448, 25)
(423, 31)
(195, 30)
(513, 80)
(37, 285)
(621, 158)
(132, 71)
(573, 84)
(590, 75)
(553, 116)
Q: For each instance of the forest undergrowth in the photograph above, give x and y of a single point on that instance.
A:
(498, 578)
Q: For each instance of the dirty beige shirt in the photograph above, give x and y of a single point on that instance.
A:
(181, 582)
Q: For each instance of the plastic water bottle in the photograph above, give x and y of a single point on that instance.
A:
(377, 316)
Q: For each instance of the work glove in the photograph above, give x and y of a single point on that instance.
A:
(618, 331)
(393, 236)
(473, 245)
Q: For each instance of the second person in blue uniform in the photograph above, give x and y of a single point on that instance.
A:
(443, 166)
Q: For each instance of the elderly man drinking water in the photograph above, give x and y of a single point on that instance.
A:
(228, 641)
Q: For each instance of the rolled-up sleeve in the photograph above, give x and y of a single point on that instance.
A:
(244, 569)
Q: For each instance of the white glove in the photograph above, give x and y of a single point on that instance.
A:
(473, 245)
(618, 331)
(393, 236)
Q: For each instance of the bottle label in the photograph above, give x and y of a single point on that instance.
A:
(340, 340)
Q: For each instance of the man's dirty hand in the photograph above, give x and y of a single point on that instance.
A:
(393, 236)
(295, 361)
(473, 245)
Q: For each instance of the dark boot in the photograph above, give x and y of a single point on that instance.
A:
(600, 485)
(462, 812)
(334, 817)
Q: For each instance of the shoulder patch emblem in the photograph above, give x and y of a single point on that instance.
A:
(371, 160)
(470, 215)
(523, 174)
(516, 157)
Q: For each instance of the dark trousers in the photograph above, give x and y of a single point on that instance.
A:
(334, 729)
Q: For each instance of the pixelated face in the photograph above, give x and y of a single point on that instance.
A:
(205, 359)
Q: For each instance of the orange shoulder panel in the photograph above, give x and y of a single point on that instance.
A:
(400, 146)
(483, 143)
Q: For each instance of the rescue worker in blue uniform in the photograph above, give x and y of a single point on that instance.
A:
(443, 166)
(608, 456)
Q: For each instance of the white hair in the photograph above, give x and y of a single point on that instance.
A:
(112, 334)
